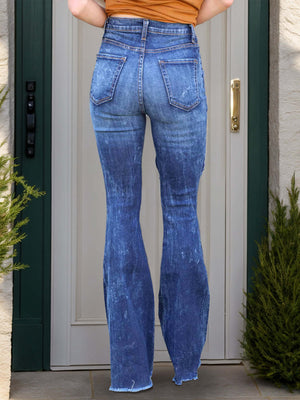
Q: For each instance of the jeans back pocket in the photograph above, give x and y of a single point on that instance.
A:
(105, 77)
(181, 82)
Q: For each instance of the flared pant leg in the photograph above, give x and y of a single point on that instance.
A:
(128, 291)
(184, 292)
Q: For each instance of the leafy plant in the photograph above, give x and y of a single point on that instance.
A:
(3, 97)
(11, 205)
(271, 339)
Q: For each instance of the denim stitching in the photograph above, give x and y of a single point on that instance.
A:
(152, 51)
(182, 29)
(140, 81)
(171, 97)
(110, 56)
(141, 65)
(150, 29)
(115, 79)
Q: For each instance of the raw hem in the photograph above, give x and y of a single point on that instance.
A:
(179, 382)
(195, 377)
(131, 389)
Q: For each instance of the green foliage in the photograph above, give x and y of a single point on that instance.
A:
(271, 340)
(3, 97)
(11, 205)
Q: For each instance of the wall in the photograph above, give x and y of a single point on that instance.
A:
(284, 100)
(6, 132)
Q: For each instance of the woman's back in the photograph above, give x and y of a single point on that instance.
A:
(182, 11)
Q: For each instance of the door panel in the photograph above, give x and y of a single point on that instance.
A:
(31, 286)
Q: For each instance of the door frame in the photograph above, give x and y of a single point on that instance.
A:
(32, 286)
(258, 129)
(257, 200)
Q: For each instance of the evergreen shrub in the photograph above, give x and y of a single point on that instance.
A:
(11, 206)
(271, 340)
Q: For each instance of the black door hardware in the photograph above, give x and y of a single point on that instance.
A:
(30, 119)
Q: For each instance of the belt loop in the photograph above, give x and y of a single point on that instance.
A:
(193, 32)
(105, 23)
(145, 28)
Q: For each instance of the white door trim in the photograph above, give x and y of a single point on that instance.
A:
(62, 199)
(236, 181)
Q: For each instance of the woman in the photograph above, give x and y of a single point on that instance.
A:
(149, 63)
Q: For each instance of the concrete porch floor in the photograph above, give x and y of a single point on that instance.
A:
(214, 382)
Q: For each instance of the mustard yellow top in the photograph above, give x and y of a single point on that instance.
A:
(182, 11)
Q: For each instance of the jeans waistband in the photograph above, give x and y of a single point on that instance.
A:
(135, 25)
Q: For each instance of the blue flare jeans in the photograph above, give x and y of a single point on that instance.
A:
(147, 67)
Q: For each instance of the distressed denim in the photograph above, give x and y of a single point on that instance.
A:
(146, 67)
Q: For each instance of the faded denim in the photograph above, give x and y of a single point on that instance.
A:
(154, 68)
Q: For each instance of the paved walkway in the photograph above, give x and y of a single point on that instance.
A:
(215, 382)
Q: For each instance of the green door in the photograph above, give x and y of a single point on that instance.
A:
(31, 291)
(258, 103)
(31, 304)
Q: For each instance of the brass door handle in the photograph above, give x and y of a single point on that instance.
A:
(235, 105)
